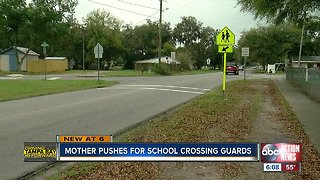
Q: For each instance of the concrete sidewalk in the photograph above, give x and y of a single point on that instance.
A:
(306, 109)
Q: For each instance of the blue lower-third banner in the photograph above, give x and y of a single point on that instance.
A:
(158, 152)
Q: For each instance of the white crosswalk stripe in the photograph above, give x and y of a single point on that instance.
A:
(157, 87)
(53, 78)
(10, 78)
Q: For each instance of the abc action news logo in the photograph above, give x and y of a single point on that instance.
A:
(281, 152)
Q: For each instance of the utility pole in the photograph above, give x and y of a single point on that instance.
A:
(301, 43)
(160, 21)
(301, 39)
(245, 68)
(83, 68)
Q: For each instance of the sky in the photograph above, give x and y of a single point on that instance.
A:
(214, 13)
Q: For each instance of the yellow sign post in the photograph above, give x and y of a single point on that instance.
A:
(225, 39)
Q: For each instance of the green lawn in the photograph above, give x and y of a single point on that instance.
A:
(114, 73)
(17, 89)
(202, 71)
(4, 73)
(126, 73)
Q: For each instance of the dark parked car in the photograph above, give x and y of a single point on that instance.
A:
(232, 68)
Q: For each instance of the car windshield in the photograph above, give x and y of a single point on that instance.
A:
(231, 64)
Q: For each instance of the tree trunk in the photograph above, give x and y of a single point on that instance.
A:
(20, 61)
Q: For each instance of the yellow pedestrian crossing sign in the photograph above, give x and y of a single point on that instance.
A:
(225, 49)
(225, 37)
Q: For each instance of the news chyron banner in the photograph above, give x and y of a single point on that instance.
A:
(157, 151)
(277, 157)
(281, 157)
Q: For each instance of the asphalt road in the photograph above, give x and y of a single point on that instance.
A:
(91, 112)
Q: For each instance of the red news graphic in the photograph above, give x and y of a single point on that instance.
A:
(290, 167)
(281, 153)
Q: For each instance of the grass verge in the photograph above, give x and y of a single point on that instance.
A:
(127, 73)
(5, 73)
(208, 118)
(18, 89)
(194, 72)
(205, 119)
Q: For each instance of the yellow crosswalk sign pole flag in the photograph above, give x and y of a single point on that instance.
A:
(225, 39)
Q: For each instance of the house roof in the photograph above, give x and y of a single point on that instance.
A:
(307, 59)
(167, 60)
(22, 50)
(56, 58)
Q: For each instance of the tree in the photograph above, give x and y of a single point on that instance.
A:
(141, 42)
(188, 31)
(51, 21)
(13, 15)
(280, 11)
(296, 11)
(104, 28)
(271, 44)
(130, 44)
(168, 48)
(185, 59)
(312, 43)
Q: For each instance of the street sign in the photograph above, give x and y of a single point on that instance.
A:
(44, 46)
(245, 52)
(225, 37)
(98, 51)
(208, 61)
(173, 55)
(225, 49)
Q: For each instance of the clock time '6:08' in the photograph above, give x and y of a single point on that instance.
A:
(272, 167)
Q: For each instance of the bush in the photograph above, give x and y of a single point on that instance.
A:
(161, 69)
(185, 59)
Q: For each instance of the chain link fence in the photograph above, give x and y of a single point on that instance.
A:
(306, 79)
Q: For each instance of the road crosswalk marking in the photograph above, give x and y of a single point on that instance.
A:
(54, 78)
(10, 78)
(174, 90)
(158, 87)
(167, 86)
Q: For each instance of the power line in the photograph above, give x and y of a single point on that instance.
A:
(121, 9)
(151, 16)
(146, 19)
(137, 5)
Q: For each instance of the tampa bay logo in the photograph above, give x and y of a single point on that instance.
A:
(270, 152)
